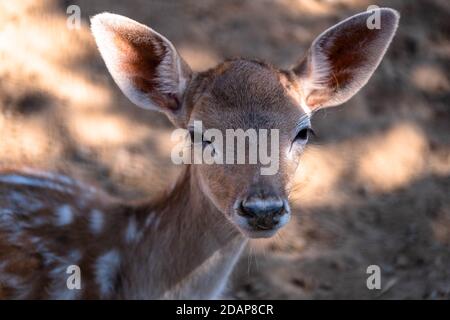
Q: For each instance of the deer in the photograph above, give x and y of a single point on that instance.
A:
(184, 243)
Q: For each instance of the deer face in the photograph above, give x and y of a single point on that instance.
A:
(257, 100)
(244, 97)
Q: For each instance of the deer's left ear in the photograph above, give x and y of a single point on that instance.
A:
(343, 58)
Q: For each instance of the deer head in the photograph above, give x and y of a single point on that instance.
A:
(245, 94)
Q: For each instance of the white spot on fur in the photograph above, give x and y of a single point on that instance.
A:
(106, 269)
(149, 219)
(131, 233)
(64, 215)
(152, 220)
(74, 256)
(96, 221)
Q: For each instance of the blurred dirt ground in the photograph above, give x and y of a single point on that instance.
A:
(372, 188)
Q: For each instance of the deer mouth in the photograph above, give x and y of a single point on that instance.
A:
(262, 227)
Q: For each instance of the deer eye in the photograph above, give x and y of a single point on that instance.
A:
(304, 134)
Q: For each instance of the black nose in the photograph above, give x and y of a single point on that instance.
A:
(262, 213)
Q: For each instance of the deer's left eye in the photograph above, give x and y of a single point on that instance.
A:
(304, 134)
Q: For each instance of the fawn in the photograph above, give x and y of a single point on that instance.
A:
(184, 244)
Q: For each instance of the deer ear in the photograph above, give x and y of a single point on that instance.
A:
(143, 63)
(342, 59)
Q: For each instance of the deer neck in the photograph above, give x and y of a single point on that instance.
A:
(187, 250)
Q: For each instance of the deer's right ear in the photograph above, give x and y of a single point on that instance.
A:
(343, 58)
(143, 63)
